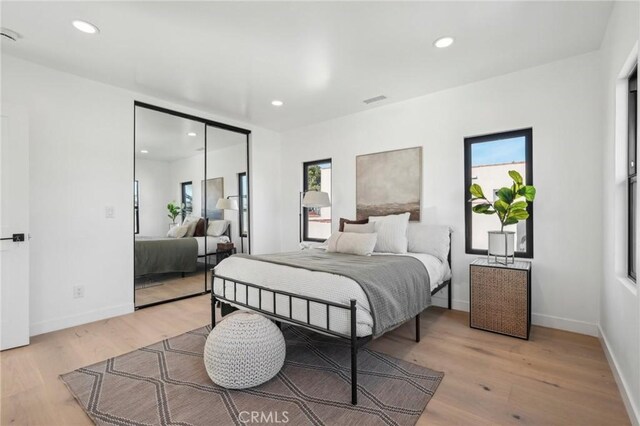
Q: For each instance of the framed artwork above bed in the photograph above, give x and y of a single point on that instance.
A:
(210, 195)
(389, 182)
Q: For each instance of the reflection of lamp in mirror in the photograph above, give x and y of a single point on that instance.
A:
(229, 204)
(312, 199)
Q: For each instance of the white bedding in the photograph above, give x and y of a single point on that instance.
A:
(212, 244)
(321, 285)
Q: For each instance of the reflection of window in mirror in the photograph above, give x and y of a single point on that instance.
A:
(136, 211)
(243, 201)
(186, 199)
(317, 220)
(488, 160)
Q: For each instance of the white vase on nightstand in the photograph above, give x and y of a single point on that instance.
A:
(501, 247)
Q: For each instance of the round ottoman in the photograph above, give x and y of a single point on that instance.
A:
(244, 350)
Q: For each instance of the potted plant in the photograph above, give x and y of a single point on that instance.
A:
(510, 206)
(174, 211)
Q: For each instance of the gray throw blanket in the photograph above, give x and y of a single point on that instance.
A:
(397, 287)
(160, 255)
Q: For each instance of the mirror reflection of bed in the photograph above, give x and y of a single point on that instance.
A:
(190, 212)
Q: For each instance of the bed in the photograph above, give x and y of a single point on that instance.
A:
(159, 255)
(330, 293)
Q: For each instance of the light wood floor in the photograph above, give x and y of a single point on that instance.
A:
(162, 287)
(555, 378)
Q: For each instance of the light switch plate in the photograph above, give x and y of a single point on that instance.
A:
(109, 212)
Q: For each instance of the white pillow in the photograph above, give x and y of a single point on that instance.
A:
(392, 233)
(191, 222)
(367, 228)
(217, 227)
(351, 243)
(178, 231)
(430, 239)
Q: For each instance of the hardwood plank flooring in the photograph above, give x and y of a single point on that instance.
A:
(556, 378)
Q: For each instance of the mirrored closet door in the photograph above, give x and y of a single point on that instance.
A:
(191, 202)
(226, 188)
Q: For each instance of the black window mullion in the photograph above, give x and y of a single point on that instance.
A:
(632, 149)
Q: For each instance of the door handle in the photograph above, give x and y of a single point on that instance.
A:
(17, 238)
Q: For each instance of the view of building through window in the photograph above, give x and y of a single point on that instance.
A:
(317, 221)
(491, 161)
(187, 198)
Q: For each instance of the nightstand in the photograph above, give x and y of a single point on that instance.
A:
(500, 297)
(223, 254)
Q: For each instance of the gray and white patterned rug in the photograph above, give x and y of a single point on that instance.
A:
(166, 384)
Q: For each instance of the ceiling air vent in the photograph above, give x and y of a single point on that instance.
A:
(8, 34)
(376, 99)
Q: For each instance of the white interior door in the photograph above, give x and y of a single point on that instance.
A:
(14, 219)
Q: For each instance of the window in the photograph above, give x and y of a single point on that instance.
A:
(243, 203)
(487, 160)
(186, 198)
(317, 221)
(136, 209)
(632, 123)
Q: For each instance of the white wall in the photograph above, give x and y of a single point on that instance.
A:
(620, 303)
(561, 101)
(81, 160)
(155, 192)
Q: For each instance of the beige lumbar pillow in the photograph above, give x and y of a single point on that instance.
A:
(364, 228)
(178, 231)
(351, 243)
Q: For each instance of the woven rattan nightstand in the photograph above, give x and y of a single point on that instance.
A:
(500, 297)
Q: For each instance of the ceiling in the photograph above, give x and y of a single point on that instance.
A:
(321, 59)
(165, 136)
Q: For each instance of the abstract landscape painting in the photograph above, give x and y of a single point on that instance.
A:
(389, 183)
(214, 191)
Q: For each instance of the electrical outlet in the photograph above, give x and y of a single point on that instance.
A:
(109, 212)
(78, 291)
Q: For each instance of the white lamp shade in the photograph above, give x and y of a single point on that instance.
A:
(226, 204)
(316, 199)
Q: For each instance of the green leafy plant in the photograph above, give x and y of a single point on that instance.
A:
(174, 211)
(511, 205)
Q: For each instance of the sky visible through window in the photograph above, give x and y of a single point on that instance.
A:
(498, 152)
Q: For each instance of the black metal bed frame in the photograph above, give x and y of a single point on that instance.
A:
(354, 341)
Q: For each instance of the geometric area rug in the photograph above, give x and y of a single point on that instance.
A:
(166, 384)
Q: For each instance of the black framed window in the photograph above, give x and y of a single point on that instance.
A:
(317, 221)
(136, 207)
(243, 203)
(487, 161)
(186, 191)
(632, 124)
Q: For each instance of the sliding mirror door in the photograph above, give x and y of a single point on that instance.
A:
(169, 248)
(226, 194)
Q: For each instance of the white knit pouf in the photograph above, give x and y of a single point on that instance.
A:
(244, 350)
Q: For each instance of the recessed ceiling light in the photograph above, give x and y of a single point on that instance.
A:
(192, 134)
(85, 27)
(144, 151)
(443, 42)
(277, 103)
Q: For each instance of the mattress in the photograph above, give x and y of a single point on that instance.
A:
(321, 285)
(211, 244)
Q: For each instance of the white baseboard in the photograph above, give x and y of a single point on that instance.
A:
(567, 324)
(543, 320)
(458, 305)
(78, 319)
(632, 410)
